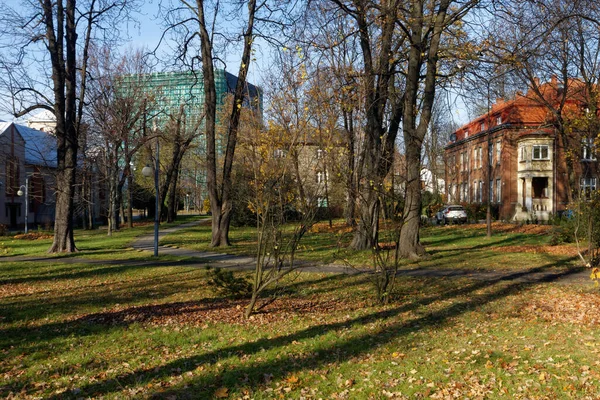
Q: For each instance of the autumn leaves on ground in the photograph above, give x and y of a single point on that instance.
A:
(133, 330)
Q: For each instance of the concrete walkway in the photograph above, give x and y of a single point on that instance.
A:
(195, 258)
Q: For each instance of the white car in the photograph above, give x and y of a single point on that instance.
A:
(451, 213)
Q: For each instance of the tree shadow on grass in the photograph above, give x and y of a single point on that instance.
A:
(35, 338)
(343, 350)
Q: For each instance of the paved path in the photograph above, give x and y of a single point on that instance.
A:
(201, 259)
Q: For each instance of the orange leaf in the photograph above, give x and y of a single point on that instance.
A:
(222, 393)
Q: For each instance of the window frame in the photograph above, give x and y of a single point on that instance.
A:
(540, 148)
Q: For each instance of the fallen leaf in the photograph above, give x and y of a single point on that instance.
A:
(222, 393)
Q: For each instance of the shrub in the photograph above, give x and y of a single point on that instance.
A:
(227, 284)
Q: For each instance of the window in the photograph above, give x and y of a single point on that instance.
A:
(482, 127)
(522, 153)
(491, 192)
(462, 161)
(587, 186)
(540, 152)
(480, 192)
(588, 150)
(499, 120)
(498, 190)
(320, 154)
(498, 151)
(480, 157)
(475, 191)
(12, 176)
(466, 133)
(321, 176)
(279, 153)
(540, 187)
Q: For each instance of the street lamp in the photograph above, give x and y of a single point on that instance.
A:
(147, 172)
(26, 193)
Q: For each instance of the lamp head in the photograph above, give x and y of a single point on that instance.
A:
(20, 193)
(147, 171)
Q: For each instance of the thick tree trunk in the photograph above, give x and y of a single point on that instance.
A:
(410, 247)
(64, 241)
(367, 232)
(221, 221)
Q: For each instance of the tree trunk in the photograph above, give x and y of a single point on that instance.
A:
(409, 234)
(172, 203)
(420, 96)
(130, 202)
(64, 241)
(367, 233)
(222, 221)
(220, 197)
(351, 173)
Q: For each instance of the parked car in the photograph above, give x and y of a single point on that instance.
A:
(451, 214)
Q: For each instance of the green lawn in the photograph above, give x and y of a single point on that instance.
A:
(102, 329)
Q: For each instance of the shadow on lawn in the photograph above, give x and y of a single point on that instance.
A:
(250, 376)
(35, 338)
(107, 267)
(507, 241)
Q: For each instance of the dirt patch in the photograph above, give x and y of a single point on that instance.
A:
(34, 236)
(502, 227)
(559, 250)
(228, 311)
(557, 306)
(336, 227)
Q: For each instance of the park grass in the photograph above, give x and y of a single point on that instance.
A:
(93, 243)
(452, 247)
(119, 331)
(111, 329)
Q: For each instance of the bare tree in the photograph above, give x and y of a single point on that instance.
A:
(66, 30)
(181, 130)
(198, 24)
(400, 46)
(119, 103)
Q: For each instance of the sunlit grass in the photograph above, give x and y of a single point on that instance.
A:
(74, 330)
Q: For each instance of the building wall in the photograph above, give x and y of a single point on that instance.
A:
(39, 179)
(12, 151)
(533, 185)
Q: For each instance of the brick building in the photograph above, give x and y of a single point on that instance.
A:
(529, 175)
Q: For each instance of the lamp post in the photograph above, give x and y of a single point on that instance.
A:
(20, 193)
(147, 172)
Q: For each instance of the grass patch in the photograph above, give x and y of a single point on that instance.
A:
(104, 328)
(115, 331)
(451, 247)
